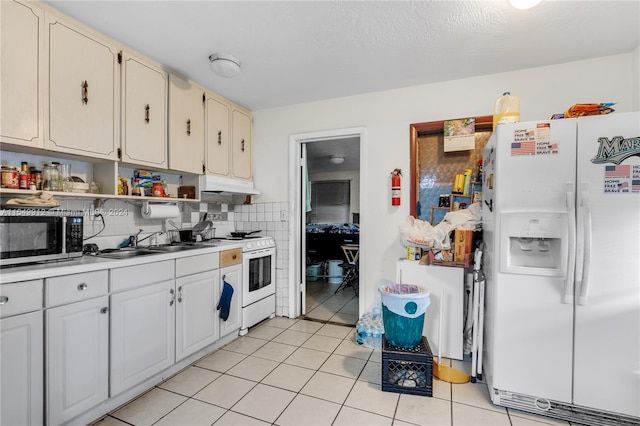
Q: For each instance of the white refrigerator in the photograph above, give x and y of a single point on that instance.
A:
(561, 226)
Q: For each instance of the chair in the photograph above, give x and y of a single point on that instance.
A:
(350, 268)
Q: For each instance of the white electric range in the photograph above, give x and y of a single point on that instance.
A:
(258, 278)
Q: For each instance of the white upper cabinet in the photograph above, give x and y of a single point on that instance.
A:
(21, 43)
(144, 113)
(228, 139)
(218, 136)
(241, 147)
(83, 92)
(186, 125)
(66, 88)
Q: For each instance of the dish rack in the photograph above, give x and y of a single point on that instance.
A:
(174, 235)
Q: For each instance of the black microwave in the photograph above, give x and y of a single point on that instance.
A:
(33, 235)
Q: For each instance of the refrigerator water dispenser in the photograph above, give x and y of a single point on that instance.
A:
(533, 243)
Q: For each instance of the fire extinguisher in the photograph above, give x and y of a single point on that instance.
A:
(396, 176)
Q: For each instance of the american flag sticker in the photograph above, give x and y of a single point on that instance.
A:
(523, 148)
(616, 171)
(635, 185)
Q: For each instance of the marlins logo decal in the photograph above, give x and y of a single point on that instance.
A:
(616, 149)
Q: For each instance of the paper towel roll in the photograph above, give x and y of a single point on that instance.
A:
(159, 211)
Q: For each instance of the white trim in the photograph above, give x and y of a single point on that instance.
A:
(295, 210)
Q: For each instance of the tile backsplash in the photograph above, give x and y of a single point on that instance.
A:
(123, 218)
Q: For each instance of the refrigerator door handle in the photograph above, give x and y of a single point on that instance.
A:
(583, 280)
(571, 251)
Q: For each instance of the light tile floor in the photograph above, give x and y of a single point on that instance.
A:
(322, 304)
(300, 372)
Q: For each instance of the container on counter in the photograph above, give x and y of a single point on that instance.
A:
(56, 179)
(23, 176)
(414, 253)
(66, 181)
(158, 189)
(506, 110)
(36, 178)
(50, 177)
(10, 177)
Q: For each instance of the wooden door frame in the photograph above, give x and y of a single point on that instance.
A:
(432, 127)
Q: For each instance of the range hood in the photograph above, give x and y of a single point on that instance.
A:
(226, 186)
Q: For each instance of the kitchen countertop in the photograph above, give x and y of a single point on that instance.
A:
(89, 263)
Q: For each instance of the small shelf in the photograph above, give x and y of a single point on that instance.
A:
(452, 197)
(29, 192)
(103, 172)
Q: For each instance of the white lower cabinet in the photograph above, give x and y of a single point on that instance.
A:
(77, 366)
(197, 284)
(196, 324)
(73, 353)
(448, 281)
(76, 344)
(142, 334)
(21, 376)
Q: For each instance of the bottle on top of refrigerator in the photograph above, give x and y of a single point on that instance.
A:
(506, 110)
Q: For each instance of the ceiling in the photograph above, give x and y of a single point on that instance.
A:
(300, 51)
(319, 155)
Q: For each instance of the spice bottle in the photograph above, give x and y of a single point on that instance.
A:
(23, 177)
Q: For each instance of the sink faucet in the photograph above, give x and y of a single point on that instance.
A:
(136, 240)
(133, 239)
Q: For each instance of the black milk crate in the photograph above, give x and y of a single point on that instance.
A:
(407, 370)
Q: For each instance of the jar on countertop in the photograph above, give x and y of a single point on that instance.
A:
(10, 177)
(50, 177)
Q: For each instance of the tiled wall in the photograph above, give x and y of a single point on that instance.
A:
(123, 218)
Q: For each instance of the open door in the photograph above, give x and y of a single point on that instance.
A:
(299, 170)
(305, 186)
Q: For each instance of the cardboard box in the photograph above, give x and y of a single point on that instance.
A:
(187, 192)
(462, 246)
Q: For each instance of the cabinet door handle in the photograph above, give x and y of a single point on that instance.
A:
(104, 310)
(4, 300)
(180, 294)
(85, 92)
(188, 126)
(219, 137)
(172, 293)
(147, 108)
(242, 145)
(234, 257)
(82, 286)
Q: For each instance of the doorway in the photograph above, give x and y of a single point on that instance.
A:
(320, 228)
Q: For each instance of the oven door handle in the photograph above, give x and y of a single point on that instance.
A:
(259, 253)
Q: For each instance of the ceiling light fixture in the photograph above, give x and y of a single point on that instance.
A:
(337, 159)
(224, 65)
(524, 4)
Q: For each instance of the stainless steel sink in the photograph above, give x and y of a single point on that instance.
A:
(125, 253)
(173, 248)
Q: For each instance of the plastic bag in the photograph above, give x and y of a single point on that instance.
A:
(468, 219)
(369, 329)
(416, 232)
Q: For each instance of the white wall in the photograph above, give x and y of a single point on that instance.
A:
(387, 115)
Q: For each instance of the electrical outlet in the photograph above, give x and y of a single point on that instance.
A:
(284, 215)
